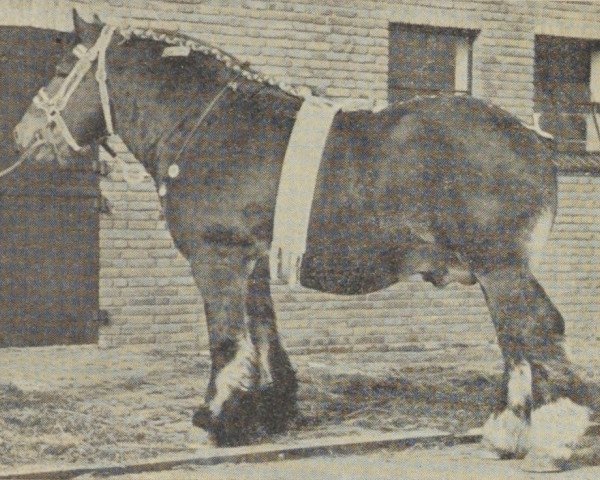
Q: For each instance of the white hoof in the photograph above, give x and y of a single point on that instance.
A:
(506, 435)
(556, 428)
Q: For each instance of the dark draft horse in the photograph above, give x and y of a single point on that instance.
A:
(447, 187)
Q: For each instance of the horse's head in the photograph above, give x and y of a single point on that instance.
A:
(72, 112)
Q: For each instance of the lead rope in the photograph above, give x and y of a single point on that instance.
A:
(13, 167)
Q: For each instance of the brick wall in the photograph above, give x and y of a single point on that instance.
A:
(341, 50)
(145, 284)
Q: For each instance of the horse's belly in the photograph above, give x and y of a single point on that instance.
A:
(347, 253)
(349, 274)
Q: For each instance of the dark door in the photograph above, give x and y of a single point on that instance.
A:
(49, 248)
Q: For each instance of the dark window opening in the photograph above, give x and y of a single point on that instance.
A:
(429, 60)
(563, 102)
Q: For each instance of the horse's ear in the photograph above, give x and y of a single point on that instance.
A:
(87, 32)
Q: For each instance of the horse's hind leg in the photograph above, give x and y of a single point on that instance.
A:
(276, 403)
(543, 413)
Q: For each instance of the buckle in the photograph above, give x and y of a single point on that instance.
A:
(80, 51)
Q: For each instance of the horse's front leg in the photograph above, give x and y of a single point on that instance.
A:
(544, 411)
(278, 385)
(230, 413)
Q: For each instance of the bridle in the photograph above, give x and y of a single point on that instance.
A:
(53, 106)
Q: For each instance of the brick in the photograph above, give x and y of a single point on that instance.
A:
(141, 282)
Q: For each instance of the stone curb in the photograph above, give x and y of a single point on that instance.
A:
(344, 445)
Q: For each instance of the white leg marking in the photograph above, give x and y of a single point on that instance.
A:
(506, 432)
(266, 378)
(539, 236)
(520, 385)
(239, 374)
(557, 427)
(262, 332)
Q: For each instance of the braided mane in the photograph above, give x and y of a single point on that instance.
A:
(223, 57)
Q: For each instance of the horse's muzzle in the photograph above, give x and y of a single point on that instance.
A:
(19, 139)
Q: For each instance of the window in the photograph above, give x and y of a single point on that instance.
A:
(567, 85)
(429, 60)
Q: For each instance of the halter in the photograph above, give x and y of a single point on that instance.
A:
(53, 106)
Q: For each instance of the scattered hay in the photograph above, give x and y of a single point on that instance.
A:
(124, 407)
(400, 402)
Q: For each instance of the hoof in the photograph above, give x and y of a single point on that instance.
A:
(489, 454)
(506, 435)
(276, 408)
(246, 417)
(235, 424)
(202, 418)
(542, 463)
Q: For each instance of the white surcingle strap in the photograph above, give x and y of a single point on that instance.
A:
(297, 187)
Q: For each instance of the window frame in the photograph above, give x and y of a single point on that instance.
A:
(463, 55)
(593, 125)
(592, 84)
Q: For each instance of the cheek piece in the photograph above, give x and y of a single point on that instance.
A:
(53, 106)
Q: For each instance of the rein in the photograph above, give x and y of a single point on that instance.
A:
(36, 143)
(13, 167)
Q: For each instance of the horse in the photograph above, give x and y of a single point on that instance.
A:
(448, 187)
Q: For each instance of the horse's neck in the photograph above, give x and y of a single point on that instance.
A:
(149, 117)
(157, 116)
